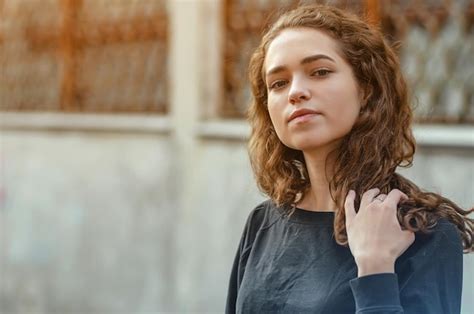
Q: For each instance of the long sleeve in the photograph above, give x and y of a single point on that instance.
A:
(428, 280)
(377, 294)
(254, 221)
(235, 278)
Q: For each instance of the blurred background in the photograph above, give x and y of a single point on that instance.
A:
(124, 177)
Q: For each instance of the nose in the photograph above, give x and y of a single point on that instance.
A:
(298, 92)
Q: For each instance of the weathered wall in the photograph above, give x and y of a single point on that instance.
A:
(109, 223)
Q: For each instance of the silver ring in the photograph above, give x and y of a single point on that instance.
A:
(378, 199)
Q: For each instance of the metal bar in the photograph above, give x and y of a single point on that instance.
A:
(68, 46)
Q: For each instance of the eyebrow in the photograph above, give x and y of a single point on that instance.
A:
(306, 60)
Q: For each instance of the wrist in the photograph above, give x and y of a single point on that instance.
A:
(374, 265)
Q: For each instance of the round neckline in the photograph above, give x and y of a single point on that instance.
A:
(305, 216)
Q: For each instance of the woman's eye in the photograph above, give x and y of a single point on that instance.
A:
(321, 72)
(277, 84)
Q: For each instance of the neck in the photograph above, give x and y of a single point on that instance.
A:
(318, 197)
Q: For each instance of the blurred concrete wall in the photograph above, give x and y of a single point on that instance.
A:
(113, 214)
(113, 222)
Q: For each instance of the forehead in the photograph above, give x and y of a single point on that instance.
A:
(298, 43)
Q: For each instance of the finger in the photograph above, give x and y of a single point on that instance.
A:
(394, 197)
(380, 197)
(404, 197)
(409, 238)
(349, 207)
(368, 197)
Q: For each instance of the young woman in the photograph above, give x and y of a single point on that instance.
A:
(342, 231)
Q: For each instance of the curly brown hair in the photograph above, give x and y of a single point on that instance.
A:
(379, 142)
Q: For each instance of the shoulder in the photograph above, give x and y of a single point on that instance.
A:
(444, 235)
(447, 233)
(263, 216)
(434, 260)
(442, 241)
(447, 241)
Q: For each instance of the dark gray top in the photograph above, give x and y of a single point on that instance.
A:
(294, 265)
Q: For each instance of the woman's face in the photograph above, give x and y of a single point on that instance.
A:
(313, 96)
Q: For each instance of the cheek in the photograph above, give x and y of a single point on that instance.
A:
(274, 117)
(277, 119)
(346, 99)
(274, 110)
(348, 112)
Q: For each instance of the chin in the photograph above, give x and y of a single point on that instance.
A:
(311, 144)
(307, 145)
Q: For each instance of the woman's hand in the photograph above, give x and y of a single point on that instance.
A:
(375, 236)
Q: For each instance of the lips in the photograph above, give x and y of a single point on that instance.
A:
(302, 112)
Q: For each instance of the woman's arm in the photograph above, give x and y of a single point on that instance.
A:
(374, 234)
(429, 277)
(253, 224)
(234, 283)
